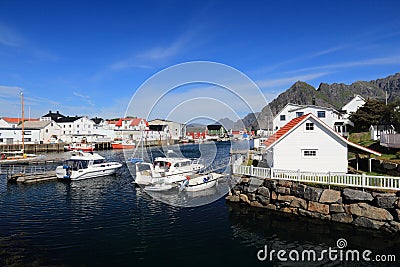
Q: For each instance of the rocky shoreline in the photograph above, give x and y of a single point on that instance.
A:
(368, 209)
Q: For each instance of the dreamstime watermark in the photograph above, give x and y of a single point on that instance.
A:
(338, 253)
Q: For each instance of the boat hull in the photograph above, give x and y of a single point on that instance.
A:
(122, 146)
(107, 169)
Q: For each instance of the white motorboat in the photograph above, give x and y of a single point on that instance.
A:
(166, 169)
(199, 182)
(83, 165)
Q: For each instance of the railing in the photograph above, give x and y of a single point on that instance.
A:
(13, 169)
(328, 178)
(390, 140)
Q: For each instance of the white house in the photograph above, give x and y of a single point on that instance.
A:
(176, 130)
(353, 105)
(306, 143)
(11, 136)
(376, 131)
(329, 116)
(75, 126)
(49, 130)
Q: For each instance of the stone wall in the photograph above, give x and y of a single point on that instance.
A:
(369, 209)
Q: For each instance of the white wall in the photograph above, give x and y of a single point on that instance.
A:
(16, 136)
(353, 105)
(47, 132)
(331, 151)
(4, 124)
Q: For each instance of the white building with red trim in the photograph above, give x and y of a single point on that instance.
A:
(306, 143)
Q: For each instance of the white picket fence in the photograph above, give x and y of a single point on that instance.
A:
(328, 178)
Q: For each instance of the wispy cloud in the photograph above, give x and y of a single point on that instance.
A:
(10, 91)
(84, 98)
(390, 60)
(9, 37)
(268, 83)
(148, 58)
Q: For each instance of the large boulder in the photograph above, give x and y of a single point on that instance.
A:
(356, 195)
(368, 223)
(285, 198)
(312, 193)
(271, 184)
(336, 208)
(283, 190)
(318, 207)
(263, 191)
(298, 189)
(244, 198)
(330, 196)
(263, 200)
(385, 200)
(298, 203)
(368, 211)
(233, 198)
(342, 217)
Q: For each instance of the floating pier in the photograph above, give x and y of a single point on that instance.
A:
(32, 177)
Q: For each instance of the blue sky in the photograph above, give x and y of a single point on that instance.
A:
(89, 58)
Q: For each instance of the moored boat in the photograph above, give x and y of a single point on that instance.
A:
(83, 165)
(85, 147)
(168, 169)
(199, 182)
(123, 144)
(15, 157)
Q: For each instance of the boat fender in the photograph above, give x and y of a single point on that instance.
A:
(67, 176)
(65, 167)
(184, 184)
(205, 179)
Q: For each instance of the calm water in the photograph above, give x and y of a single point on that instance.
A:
(110, 222)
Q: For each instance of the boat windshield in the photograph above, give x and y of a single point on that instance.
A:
(143, 167)
(77, 164)
(99, 161)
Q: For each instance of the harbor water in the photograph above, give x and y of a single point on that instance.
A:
(109, 221)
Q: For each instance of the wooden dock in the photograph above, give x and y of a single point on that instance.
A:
(32, 177)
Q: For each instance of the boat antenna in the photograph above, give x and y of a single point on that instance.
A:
(22, 125)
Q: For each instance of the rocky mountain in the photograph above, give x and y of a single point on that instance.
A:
(334, 95)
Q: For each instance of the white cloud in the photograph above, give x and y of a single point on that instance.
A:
(9, 37)
(87, 99)
(390, 60)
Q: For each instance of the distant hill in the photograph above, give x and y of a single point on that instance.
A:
(334, 95)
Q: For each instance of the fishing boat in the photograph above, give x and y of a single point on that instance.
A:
(85, 147)
(84, 165)
(123, 144)
(168, 170)
(198, 182)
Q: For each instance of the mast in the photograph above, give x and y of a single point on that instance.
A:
(22, 118)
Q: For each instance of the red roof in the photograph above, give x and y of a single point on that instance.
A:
(135, 122)
(17, 120)
(119, 123)
(296, 121)
(282, 131)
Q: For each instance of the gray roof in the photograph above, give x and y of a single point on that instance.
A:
(35, 124)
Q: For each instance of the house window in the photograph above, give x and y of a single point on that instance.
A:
(321, 114)
(309, 126)
(27, 133)
(47, 130)
(309, 153)
(283, 117)
(51, 124)
(64, 125)
(298, 114)
(77, 126)
(27, 139)
(70, 126)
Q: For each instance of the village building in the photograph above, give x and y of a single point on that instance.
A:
(9, 136)
(49, 131)
(377, 131)
(306, 143)
(352, 106)
(176, 130)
